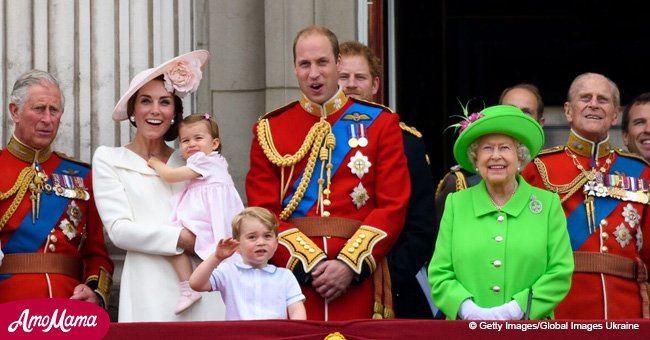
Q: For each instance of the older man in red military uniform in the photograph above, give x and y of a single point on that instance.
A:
(50, 231)
(604, 193)
(333, 169)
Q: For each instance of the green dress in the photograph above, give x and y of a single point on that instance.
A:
(494, 256)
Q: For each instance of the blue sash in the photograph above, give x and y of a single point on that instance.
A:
(603, 206)
(340, 130)
(29, 237)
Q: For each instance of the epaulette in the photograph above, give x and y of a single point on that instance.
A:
(551, 150)
(277, 111)
(410, 129)
(631, 155)
(372, 104)
(72, 159)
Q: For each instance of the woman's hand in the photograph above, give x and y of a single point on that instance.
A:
(186, 240)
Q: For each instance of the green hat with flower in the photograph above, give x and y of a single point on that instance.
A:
(500, 119)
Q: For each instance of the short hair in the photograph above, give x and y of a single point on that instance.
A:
(641, 99)
(616, 94)
(29, 79)
(522, 152)
(534, 90)
(263, 215)
(309, 30)
(172, 132)
(204, 118)
(355, 48)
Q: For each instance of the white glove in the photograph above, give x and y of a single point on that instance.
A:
(507, 311)
(470, 311)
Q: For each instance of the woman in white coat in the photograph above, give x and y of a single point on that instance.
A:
(135, 204)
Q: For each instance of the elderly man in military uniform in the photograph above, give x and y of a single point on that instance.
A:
(333, 169)
(604, 193)
(50, 230)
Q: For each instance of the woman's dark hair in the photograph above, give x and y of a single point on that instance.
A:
(172, 132)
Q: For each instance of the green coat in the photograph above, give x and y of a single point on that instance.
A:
(496, 256)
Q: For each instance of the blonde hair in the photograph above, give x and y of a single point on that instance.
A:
(203, 118)
(261, 214)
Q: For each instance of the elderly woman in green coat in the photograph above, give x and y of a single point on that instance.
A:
(503, 251)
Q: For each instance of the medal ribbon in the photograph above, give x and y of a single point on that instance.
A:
(603, 206)
(340, 130)
(29, 237)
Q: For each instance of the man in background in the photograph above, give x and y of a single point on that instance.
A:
(635, 126)
(359, 76)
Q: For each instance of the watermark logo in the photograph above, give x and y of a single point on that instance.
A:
(51, 319)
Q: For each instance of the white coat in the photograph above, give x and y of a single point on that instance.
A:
(135, 207)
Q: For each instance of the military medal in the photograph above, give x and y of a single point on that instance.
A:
(68, 229)
(359, 196)
(535, 205)
(363, 141)
(352, 133)
(359, 164)
(74, 213)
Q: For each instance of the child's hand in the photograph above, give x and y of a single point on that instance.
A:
(153, 162)
(225, 248)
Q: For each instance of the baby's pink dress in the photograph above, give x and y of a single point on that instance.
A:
(209, 203)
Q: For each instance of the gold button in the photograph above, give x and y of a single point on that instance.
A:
(350, 250)
(498, 238)
(603, 223)
(311, 250)
(326, 214)
(497, 263)
(53, 238)
(52, 247)
(358, 240)
(604, 235)
(327, 202)
(604, 249)
(306, 246)
(496, 289)
(500, 218)
(355, 244)
(302, 242)
(362, 235)
(326, 191)
(298, 238)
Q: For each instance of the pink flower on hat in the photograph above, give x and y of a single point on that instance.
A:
(183, 77)
(469, 120)
(466, 119)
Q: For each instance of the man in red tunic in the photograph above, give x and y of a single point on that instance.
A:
(333, 169)
(604, 193)
(50, 230)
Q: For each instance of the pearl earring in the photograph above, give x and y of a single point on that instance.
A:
(518, 169)
(173, 121)
(132, 119)
(476, 169)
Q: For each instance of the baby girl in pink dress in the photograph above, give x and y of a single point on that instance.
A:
(210, 200)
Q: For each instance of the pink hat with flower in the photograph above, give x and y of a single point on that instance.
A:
(182, 76)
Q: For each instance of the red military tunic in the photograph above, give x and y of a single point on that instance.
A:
(618, 227)
(65, 226)
(376, 195)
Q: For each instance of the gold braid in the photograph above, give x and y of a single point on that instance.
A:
(567, 189)
(312, 142)
(20, 188)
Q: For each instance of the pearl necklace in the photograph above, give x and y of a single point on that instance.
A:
(499, 207)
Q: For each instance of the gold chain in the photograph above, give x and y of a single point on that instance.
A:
(312, 142)
(19, 188)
